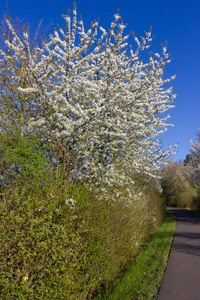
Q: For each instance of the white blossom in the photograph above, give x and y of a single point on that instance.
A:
(108, 106)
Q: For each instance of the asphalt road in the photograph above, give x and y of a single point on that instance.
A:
(182, 276)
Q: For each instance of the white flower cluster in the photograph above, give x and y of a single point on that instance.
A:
(71, 203)
(96, 94)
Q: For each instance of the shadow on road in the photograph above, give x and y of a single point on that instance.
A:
(187, 235)
(181, 280)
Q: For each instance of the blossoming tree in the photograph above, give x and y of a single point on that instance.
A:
(193, 166)
(15, 107)
(90, 90)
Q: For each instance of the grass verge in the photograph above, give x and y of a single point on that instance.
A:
(142, 279)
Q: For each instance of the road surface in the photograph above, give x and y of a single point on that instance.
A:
(182, 276)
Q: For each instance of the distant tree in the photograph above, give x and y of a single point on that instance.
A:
(193, 166)
(187, 160)
(177, 188)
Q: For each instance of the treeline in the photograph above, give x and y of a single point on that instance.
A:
(181, 181)
(79, 156)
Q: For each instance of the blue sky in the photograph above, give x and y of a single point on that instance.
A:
(175, 21)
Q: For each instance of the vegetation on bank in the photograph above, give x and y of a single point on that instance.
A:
(60, 239)
(142, 278)
(180, 181)
(177, 188)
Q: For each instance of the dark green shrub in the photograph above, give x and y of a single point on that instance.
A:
(22, 159)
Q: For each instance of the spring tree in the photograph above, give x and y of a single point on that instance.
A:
(90, 90)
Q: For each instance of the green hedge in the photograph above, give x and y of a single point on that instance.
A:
(54, 250)
(57, 239)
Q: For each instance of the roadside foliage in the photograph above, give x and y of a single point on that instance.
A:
(180, 181)
(80, 152)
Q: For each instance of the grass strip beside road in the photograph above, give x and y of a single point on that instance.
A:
(142, 279)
